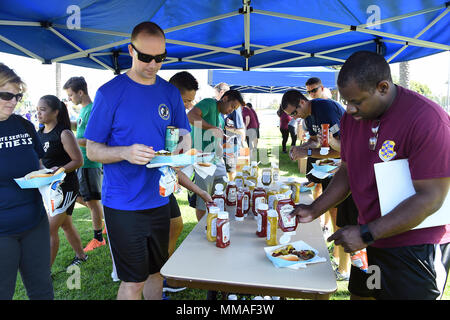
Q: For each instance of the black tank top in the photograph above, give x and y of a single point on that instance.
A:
(55, 155)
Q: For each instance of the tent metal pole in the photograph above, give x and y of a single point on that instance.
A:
(212, 64)
(19, 23)
(281, 62)
(200, 22)
(65, 39)
(295, 42)
(410, 40)
(88, 51)
(439, 17)
(22, 49)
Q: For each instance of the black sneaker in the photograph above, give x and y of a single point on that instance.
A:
(77, 261)
(168, 288)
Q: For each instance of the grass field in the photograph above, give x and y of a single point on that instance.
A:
(96, 282)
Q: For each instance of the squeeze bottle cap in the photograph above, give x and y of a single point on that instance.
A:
(222, 215)
(262, 206)
(272, 213)
(214, 210)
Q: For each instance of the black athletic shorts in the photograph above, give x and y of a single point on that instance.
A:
(90, 180)
(174, 208)
(139, 241)
(405, 273)
(347, 213)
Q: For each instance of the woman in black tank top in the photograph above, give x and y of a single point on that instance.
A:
(61, 150)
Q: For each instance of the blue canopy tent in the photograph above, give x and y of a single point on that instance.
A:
(272, 80)
(230, 34)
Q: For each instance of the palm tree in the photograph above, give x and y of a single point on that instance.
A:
(404, 74)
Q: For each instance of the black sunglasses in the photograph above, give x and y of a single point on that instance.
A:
(147, 58)
(8, 96)
(313, 90)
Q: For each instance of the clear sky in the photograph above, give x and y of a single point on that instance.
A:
(40, 79)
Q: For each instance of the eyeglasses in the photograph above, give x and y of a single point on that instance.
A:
(7, 96)
(313, 90)
(293, 113)
(148, 57)
(373, 140)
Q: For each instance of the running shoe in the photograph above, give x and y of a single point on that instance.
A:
(77, 261)
(169, 288)
(94, 244)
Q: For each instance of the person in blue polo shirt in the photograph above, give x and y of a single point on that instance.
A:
(127, 126)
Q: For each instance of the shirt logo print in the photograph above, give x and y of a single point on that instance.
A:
(163, 111)
(387, 152)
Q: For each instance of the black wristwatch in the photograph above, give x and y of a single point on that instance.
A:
(309, 153)
(366, 235)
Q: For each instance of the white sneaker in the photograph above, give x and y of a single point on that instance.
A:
(114, 277)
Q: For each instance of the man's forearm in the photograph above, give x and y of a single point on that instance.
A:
(337, 191)
(412, 211)
(102, 153)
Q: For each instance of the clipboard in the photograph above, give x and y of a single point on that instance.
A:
(394, 185)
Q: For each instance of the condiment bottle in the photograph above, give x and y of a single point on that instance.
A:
(230, 194)
(261, 219)
(246, 201)
(246, 172)
(275, 172)
(254, 169)
(239, 215)
(223, 230)
(284, 188)
(218, 197)
(286, 222)
(259, 196)
(325, 134)
(239, 180)
(272, 225)
(295, 188)
(266, 176)
(211, 218)
(272, 196)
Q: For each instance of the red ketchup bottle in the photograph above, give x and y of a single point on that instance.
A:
(259, 196)
(325, 134)
(223, 230)
(246, 201)
(261, 219)
(239, 215)
(284, 207)
(219, 198)
(230, 194)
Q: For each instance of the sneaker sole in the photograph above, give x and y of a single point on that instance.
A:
(166, 289)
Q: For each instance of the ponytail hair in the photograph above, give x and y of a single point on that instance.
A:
(55, 104)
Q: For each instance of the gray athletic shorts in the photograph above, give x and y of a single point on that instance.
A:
(90, 183)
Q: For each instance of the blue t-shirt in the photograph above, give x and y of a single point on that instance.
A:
(124, 113)
(324, 111)
(20, 151)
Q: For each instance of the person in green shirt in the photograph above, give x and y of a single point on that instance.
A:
(207, 124)
(90, 174)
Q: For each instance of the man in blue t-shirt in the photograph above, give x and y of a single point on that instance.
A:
(127, 127)
(315, 112)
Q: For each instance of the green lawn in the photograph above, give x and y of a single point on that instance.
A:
(96, 283)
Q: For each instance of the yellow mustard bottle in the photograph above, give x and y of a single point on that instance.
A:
(211, 229)
(272, 225)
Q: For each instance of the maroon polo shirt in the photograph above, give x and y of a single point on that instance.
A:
(420, 130)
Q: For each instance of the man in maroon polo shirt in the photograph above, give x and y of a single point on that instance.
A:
(413, 264)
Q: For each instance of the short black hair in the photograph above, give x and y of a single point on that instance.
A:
(147, 27)
(234, 95)
(366, 68)
(184, 81)
(76, 84)
(291, 97)
(313, 80)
